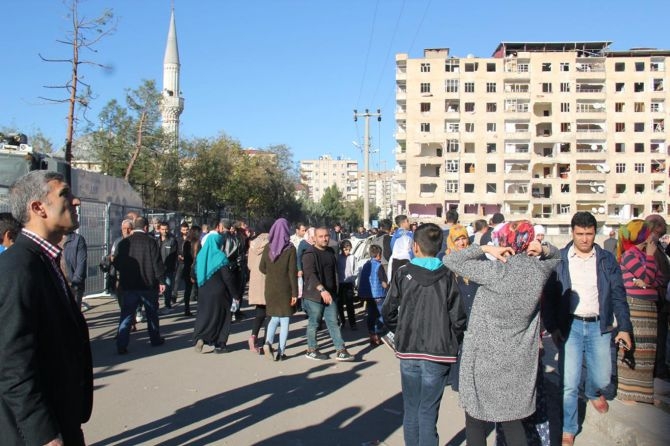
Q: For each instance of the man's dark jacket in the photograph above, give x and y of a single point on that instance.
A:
(139, 263)
(46, 376)
(76, 259)
(169, 252)
(315, 273)
(611, 295)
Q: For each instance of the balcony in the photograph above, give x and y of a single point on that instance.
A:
(590, 88)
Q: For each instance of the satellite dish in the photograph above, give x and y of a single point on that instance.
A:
(594, 189)
(601, 189)
(601, 210)
(594, 147)
(602, 168)
(594, 210)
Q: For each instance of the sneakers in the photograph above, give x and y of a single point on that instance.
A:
(198, 345)
(343, 355)
(389, 340)
(315, 355)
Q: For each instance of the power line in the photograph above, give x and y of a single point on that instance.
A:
(388, 51)
(367, 53)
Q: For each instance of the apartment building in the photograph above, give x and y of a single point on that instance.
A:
(538, 130)
(319, 174)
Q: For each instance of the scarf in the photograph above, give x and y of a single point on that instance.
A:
(631, 234)
(456, 232)
(280, 238)
(515, 234)
(210, 258)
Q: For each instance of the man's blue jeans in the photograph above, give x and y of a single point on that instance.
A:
(585, 341)
(167, 294)
(422, 388)
(315, 311)
(131, 299)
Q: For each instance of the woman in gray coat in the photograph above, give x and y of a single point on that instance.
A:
(499, 362)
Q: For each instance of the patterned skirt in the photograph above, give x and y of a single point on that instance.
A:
(636, 367)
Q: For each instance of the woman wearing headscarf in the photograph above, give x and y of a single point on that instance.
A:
(499, 363)
(635, 253)
(212, 323)
(279, 265)
(257, 287)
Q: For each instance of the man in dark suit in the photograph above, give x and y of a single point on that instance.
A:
(141, 280)
(46, 375)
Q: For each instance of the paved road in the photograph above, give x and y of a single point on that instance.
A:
(171, 395)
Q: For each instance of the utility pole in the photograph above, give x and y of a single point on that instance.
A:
(366, 151)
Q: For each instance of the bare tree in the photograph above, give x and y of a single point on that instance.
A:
(84, 35)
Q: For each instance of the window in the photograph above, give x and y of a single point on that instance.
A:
(469, 87)
(490, 87)
(452, 127)
(425, 127)
(425, 68)
(639, 66)
(565, 107)
(656, 107)
(620, 147)
(452, 146)
(638, 127)
(639, 147)
(451, 166)
(469, 188)
(491, 127)
(425, 106)
(638, 188)
(425, 87)
(639, 167)
(491, 188)
(470, 107)
(619, 87)
(452, 186)
(620, 168)
(491, 67)
(546, 87)
(618, 107)
(546, 66)
(620, 188)
(451, 66)
(565, 66)
(565, 87)
(469, 127)
(638, 87)
(491, 107)
(451, 86)
(491, 168)
(491, 147)
(469, 147)
(471, 67)
(620, 66)
(658, 84)
(522, 68)
(565, 127)
(639, 107)
(619, 126)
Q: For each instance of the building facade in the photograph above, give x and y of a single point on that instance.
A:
(319, 174)
(537, 130)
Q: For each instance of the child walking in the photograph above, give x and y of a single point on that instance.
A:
(346, 273)
(428, 331)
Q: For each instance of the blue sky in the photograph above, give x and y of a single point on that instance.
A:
(288, 71)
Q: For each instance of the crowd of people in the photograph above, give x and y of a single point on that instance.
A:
(462, 306)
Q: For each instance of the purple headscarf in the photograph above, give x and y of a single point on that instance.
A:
(280, 238)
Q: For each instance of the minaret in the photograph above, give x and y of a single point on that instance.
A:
(173, 103)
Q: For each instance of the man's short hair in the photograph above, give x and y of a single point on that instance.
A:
(164, 223)
(497, 218)
(8, 225)
(385, 224)
(127, 222)
(33, 186)
(300, 225)
(184, 225)
(399, 219)
(345, 244)
(452, 216)
(140, 223)
(226, 223)
(480, 224)
(429, 237)
(375, 250)
(583, 219)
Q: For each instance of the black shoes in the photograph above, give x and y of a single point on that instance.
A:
(122, 350)
(280, 356)
(161, 341)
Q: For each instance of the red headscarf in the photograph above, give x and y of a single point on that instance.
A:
(515, 234)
